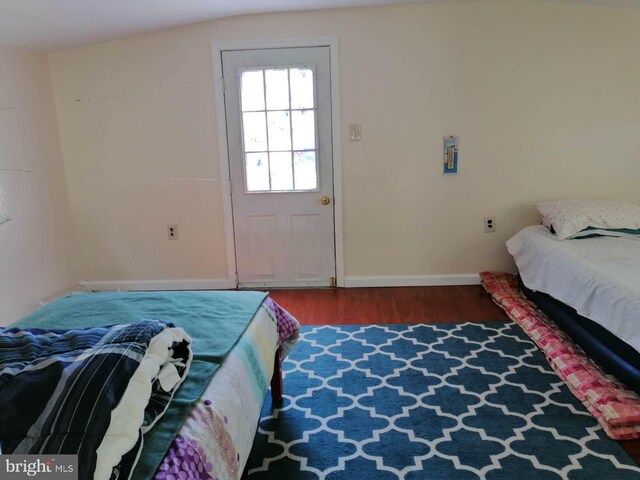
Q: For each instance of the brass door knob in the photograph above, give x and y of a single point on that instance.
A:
(325, 200)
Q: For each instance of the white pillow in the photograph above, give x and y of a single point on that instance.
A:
(568, 217)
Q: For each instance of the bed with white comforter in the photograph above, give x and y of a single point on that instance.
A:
(599, 277)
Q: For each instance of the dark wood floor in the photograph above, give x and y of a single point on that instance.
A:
(389, 305)
(398, 305)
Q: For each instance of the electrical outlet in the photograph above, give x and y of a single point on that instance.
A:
(172, 232)
(489, 224)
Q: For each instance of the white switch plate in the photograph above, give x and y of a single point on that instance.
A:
(355, 132)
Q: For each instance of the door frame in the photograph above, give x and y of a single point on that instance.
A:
(225, 177)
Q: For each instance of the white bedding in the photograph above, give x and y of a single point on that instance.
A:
(599, 277)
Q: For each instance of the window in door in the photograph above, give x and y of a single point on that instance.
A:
(279, 129)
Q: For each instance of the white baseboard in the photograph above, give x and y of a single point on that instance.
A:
(413, 280)
(224, 284)
(206, 284)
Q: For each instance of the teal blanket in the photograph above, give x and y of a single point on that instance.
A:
(214, 320)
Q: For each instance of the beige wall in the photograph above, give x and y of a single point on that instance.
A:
(35, 247)
(545, 97)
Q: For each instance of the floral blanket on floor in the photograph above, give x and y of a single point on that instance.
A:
(616, 407)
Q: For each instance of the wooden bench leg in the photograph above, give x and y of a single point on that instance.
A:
(276, 380)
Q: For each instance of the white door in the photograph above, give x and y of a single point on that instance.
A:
(278, 114)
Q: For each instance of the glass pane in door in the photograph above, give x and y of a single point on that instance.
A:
(279, 129)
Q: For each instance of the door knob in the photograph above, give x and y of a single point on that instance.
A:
(325, 200)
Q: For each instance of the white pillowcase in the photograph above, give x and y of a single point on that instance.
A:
(568, 217)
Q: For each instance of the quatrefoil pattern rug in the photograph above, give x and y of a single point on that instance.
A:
(447, 402)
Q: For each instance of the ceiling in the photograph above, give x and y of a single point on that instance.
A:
(59, 24)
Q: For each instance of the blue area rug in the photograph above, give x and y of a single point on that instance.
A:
(446, 401)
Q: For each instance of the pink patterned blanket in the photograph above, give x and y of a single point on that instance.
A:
(615, 406)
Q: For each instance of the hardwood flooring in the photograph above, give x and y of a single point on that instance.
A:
(389, 305)
(398, 305)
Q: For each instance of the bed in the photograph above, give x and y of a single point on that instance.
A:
(208, 428)
(591, 288)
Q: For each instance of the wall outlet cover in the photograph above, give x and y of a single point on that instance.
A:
(489, 224)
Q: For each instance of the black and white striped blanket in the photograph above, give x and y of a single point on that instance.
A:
(91, 392)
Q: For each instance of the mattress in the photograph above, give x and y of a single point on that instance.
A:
(598, 277)
(217, 436)
(215, 432)
(612, 354)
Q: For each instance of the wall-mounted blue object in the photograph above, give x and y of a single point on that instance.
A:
(450, 152)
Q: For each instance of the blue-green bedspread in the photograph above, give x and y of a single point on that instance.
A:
(214, 320)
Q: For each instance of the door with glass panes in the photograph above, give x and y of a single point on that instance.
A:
(278, 114)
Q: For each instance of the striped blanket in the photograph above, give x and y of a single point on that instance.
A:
(92, 392)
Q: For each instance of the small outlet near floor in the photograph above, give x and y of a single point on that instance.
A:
(489, 224)
(172, 232)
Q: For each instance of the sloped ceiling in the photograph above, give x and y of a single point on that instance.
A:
(58, 24)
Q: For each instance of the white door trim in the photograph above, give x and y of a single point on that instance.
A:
(225, 178)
